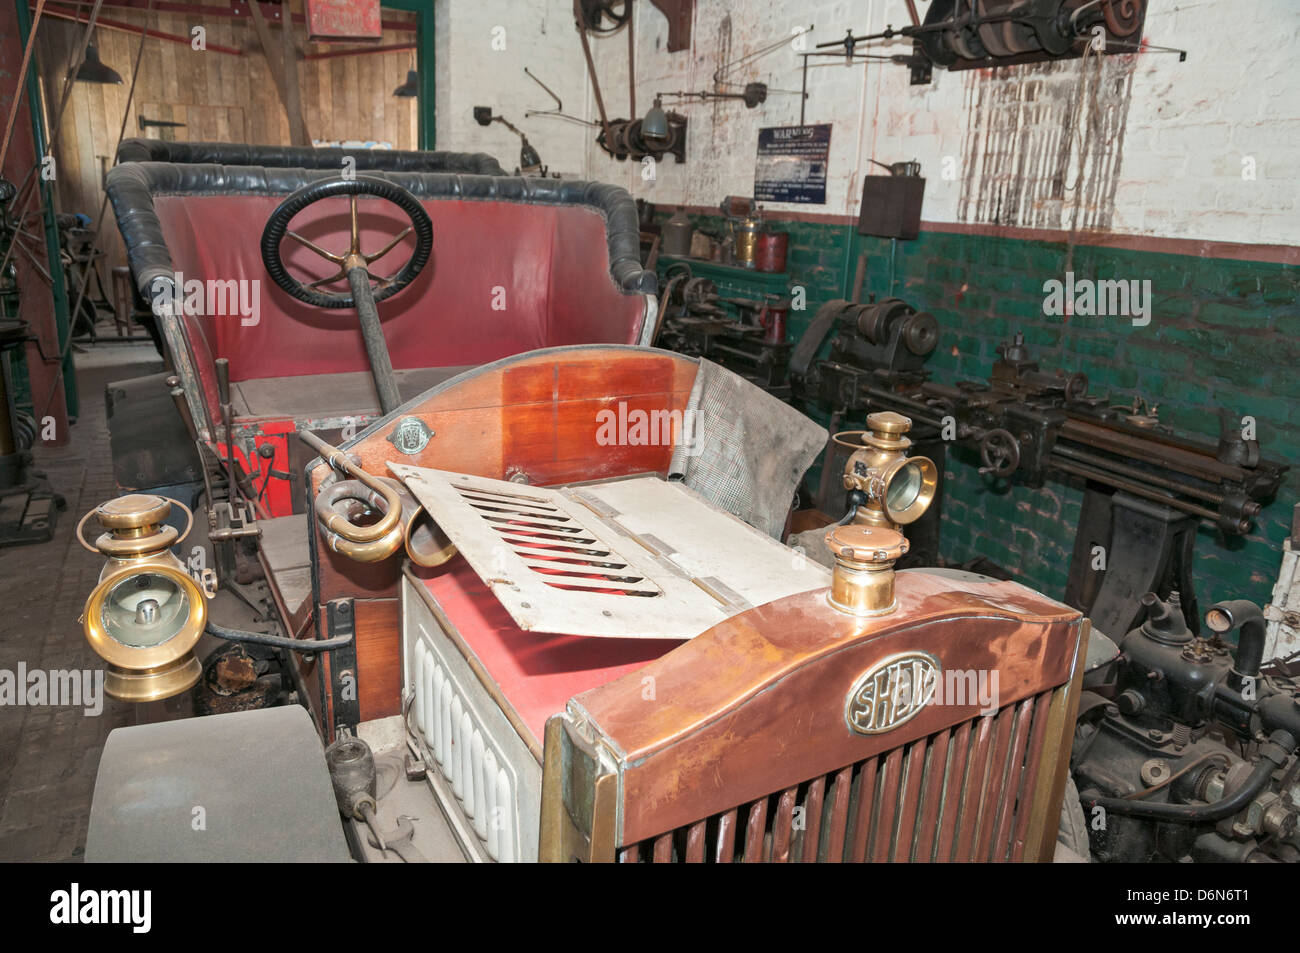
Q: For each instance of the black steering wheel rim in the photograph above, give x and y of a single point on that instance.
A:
(277, 226)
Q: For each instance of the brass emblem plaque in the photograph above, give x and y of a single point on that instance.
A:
(891, 692)
(410, 436)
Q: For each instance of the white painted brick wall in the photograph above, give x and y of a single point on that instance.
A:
(539, 34)
(1189, 124)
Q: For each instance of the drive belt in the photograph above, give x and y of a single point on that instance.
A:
(815, 336)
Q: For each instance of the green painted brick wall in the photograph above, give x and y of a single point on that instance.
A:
(1223, 334)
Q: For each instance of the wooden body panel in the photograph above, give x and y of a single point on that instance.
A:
(379, 650)
(757, 704)
(535, 415)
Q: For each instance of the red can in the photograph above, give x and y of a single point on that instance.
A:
(772, 319)
(771, 251)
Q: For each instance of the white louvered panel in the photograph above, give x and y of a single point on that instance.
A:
(466, 756)
(634, 558)
(506, 824)
(479, 794)
(417, 703)
(443, 729)
(467, 761)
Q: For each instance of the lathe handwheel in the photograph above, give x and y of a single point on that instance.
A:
(1000, 451)
(1076, 388)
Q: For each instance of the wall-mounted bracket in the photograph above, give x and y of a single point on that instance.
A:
(679, 14)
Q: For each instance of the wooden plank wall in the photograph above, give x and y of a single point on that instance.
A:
(220, 97)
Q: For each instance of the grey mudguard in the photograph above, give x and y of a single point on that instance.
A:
(246, 786)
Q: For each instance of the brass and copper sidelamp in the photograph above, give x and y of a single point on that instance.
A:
(887, 490)
(147, 613)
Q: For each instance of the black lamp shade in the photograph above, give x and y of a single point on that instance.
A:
(529, 160)
(93, 70)
(410, 88)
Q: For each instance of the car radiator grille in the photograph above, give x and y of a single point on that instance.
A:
(464, 756)
(961, 794)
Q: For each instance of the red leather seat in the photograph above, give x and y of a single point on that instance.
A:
(503, 278)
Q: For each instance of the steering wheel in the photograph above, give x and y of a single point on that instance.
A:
(277, 229)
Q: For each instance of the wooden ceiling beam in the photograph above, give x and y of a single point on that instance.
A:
(237, 11)
(122, 26)
(284, 71)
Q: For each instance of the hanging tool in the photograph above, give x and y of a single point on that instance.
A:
(147, 123)
(602, 16)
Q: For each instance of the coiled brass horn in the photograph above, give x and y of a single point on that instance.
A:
(340, 504)
(403, 522)
(426, 544)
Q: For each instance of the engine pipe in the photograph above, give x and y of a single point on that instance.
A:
(1280, 712)
(310, 646)
(1245, 616)
(1273, 754)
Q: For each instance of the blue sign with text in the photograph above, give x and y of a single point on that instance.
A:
(792, 163)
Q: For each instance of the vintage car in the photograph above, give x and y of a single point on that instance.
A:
(551, 581)
(610, 665)
(584, 658)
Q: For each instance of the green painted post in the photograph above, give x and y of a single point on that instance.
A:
(425, 65)
(61, 307)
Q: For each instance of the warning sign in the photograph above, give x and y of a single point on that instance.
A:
(792, 164)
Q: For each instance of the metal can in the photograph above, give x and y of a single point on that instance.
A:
(675, 235)
(771, 252)
(747, 241)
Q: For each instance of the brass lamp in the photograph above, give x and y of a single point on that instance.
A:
(894, 490)
(147, 613)
(897, 488)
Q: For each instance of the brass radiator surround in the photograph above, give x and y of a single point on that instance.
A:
(584, 796)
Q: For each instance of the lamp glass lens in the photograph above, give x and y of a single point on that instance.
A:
(904, 488)
(145, 609)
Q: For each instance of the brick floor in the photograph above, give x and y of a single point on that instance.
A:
(49, 755)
